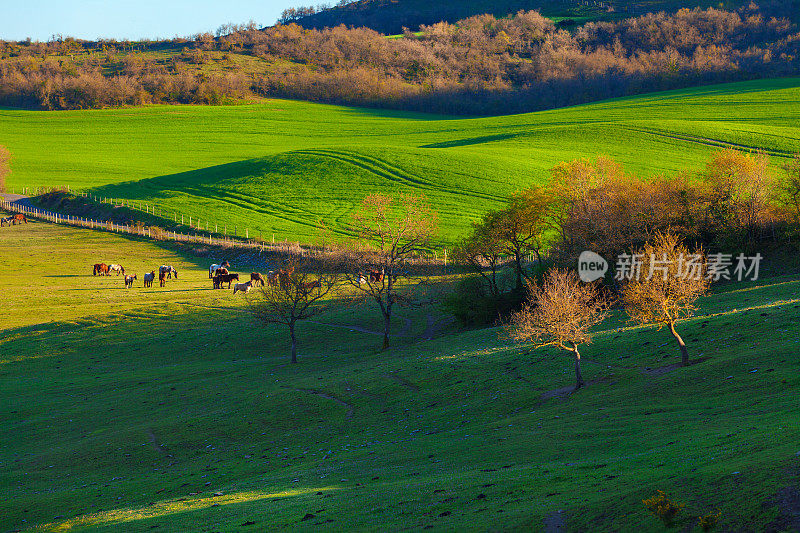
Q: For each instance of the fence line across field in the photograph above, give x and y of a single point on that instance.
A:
(163, 234)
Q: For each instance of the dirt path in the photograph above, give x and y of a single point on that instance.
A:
(434, 326)
(554, 522)
(566, 391)
(403, 381)
(350, 408)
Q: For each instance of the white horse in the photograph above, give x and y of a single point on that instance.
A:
(169, 270)
(213, 268)
(242, 287)
(117, 269)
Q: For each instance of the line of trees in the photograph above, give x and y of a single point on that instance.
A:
(736, 203)
(521, 252)
(480, 65)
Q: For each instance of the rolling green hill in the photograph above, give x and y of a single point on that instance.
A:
(171, 410)
(282, 166)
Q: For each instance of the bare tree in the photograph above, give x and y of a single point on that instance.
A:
(561, 313)
(5, 166)
(482, 249)
(296, 295)
(390, 232)
(665, 284)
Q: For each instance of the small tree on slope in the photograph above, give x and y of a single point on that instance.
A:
(391, 231)
(561, 313)
(670, 279)
(298, 295)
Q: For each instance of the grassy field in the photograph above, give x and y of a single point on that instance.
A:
(282, 166)
(171, 409)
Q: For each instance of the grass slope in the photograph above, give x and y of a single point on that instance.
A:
(133, 410)
(282, 166)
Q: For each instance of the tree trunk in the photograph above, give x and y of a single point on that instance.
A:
(681, 344)
(386, 323)
(578, 378)
(518, 261)
(294, 342)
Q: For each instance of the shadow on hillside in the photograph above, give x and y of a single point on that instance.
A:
(474, 140)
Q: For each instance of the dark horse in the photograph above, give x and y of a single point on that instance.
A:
(256, 277)
(100, 268)
(224, 278)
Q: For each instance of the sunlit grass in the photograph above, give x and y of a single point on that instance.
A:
(281, 167)
(171, 507)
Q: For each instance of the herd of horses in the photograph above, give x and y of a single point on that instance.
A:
(219, 274)
(165, 272)
(19, 218)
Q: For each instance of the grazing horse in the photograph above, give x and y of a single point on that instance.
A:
(242, 287)
(221, 271)
(213, 268)
(148, 279)
(167, 270)
(225, 278)
(308, 287)
(117, 269)
(376, 276)
(101, 269)
(162, 278)
(19, 217)
(6, 220)
(129, 281)
(256, 277)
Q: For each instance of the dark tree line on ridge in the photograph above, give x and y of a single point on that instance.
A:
(479, 65)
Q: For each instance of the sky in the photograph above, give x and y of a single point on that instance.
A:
(130, 19)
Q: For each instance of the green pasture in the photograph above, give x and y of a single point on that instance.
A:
(170, 409)
(283, 166)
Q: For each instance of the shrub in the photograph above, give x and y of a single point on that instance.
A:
(473, 306)
(709, 521)
(663, 507)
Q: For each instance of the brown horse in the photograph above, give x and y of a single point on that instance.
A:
(256, 277)
(376, 275)
(129, 281)
(162, 278)
(101, 269)
(19, 217)
(308, 287)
